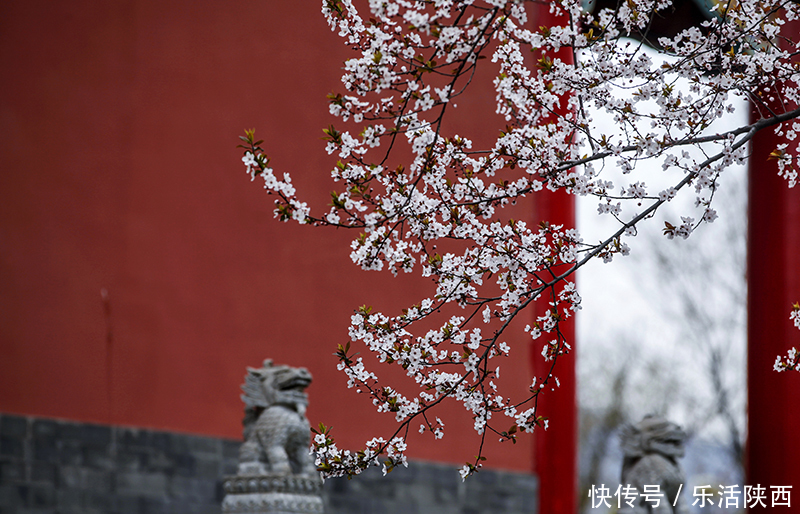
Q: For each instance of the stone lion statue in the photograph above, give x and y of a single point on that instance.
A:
(277, 435)
(651, 449)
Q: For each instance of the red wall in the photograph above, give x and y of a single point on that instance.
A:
(119, 122)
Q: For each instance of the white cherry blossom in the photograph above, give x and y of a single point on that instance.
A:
(441, 212)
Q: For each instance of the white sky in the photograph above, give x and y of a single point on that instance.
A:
(624, 320)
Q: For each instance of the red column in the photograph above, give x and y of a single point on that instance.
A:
(555, 450)
(773, 268)
(773, 281)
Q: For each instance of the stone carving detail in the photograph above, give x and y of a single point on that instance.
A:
(651, 449)
(276, 473)
(272, 483)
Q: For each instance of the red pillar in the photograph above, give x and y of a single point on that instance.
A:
(773, 285)
(773, 268)
(555, 459)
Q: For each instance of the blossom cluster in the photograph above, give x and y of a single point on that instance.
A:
(441, 212)
(332, 461)
(792, 360)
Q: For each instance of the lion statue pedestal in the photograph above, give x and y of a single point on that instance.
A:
(272, 493)
(276, 474)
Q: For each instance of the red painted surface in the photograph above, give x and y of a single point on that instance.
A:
(119, 122)
(773, 280)
(555, 450)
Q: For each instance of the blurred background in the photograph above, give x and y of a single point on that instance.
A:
(141, 272)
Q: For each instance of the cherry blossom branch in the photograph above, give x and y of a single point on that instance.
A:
(412, 59)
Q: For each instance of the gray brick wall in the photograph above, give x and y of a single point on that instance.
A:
(60, 467)
(50, 466)
(431, 488)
